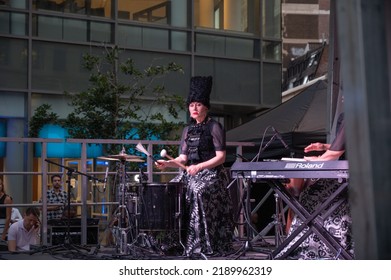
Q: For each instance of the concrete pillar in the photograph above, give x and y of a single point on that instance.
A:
(14, 162)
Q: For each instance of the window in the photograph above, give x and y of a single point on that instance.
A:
(234, 15)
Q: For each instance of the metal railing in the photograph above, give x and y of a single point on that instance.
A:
(84, 203)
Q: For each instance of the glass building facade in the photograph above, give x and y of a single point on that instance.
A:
(238, 42)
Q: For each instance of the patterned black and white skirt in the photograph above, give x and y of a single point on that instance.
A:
(208, 216)
(339, 223)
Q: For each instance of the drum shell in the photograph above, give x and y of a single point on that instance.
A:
(159, 206)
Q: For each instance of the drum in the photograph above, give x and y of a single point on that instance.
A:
(160, 206)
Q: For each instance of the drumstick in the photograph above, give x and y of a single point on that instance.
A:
(141, 148)
(163, 153)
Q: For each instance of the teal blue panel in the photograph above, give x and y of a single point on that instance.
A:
(63, 150)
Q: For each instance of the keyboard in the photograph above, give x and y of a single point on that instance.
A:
(290, 169)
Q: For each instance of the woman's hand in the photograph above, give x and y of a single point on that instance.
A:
(161, 164)
(194, 169)
(316, 147)
(328, 155)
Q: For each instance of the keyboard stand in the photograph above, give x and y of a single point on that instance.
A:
(313, 221)
(278, 222)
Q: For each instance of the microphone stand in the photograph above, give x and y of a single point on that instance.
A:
(247, 245)
(278, 204)
(255, 157)
(265, 147)
(67, 240)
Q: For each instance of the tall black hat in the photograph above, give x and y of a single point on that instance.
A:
(200, 88)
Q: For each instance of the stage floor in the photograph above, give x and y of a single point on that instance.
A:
(243, 249)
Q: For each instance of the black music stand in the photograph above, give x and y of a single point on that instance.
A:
(68, 244)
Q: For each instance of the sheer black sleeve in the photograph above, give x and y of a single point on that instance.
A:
(218, 134)
(183, 150)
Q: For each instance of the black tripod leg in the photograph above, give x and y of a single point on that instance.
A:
(248, 246)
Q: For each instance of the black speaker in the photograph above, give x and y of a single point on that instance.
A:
(57, 234)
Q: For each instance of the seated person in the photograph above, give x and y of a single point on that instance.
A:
(24, 233)
(312, 193)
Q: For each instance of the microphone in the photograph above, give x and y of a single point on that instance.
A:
(143, 176)
(105, 180)
(280, 138)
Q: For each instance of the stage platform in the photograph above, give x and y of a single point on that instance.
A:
(243, 249)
